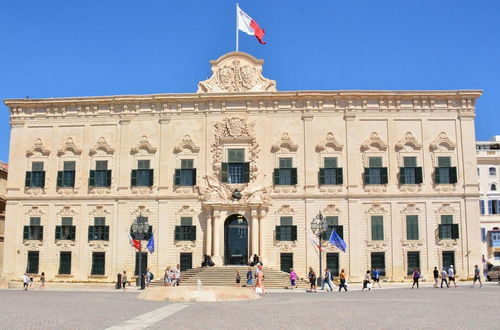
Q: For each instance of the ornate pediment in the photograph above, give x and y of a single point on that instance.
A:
(102, 145)
(67, 211)
(35, 211)
(329, 144)
(376, 209)
(38, 146)
(141, 210)
(212, 191)
(443, 143)
(69, 145)
(145, 145)
(285, 210)
(409, 141)
(374, 143)
(186, 210)
(411, 209)
(331, 209)
(236, 72)
(285, 144)
(187, 144)
(99, 211)
(446, 209)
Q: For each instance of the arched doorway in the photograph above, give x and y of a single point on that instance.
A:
(236, 240)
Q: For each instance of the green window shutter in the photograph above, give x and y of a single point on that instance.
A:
(177, 177)
(72, 232)
(276, 176)
(294, 233)
(43, 179)
(92, 178)
(294, 175)
(437, 177)
(440, 231)
(193, 233)
(133, 178)
(108, 178)
(27, 181)
(418, 175)
(246, 172)
(194, 176)
(223, 173)
(26, 232)
(340, 231)
(340, 175)
(91, 233)
(385, 178)
(41, 233)
(412, 227)
(402, 175)
(58, 232)
(278, 233)
(453, 175)
(177, 233)
(106, 233)
(321, 176)
(151, 177)
(454, 231)
(367, 175)
(73, 179)
(60, 178)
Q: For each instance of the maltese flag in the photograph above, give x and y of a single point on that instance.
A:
(250, 26)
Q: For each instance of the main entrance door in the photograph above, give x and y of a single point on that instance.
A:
(236, 240)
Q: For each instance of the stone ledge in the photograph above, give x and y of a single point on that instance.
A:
(192, 294)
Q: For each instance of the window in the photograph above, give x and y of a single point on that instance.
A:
(377, 228)
(444, 173)
(413, 261)
(481, 207)
(447, 229)
(286, 262)
(333, 224)
(483, 234)
(332, 262)
(286, 231)
(66, 231)
(493, 187)
(33, 260)
(412, 227)
(143, 175)
(66, 177)
(410, 173)
(186, 175)
(144, 263)
(375, 173)
(98, 263)
(101, 176)
(236, 170)
(378, 262)
(34, 231)
(186, 261)
(330, 173)
(99, 231)
(494, 207)
(285, 174)
(495, 239)
(496, 255)
(35, 178)
(448, 259)
(186, 231)
(493, 171)
(65, 263)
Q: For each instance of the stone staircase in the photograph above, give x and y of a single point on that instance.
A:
(226, 276)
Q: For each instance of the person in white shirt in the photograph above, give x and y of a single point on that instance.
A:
(177, 275)
(26, 281)
(444, 278)
(451, 275)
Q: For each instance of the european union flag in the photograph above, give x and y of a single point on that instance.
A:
(337, 241)
(151, 244)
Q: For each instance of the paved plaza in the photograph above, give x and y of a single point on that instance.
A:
(398, 308)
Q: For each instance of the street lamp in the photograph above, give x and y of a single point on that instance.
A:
(319, 227)
(140, 229)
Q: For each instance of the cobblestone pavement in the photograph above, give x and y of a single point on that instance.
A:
(426, 308)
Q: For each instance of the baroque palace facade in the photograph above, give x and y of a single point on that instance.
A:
(238, 169)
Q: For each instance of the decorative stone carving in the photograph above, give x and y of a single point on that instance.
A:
(98, 245)
(69, 145)
(186, 210)
(35, 191)
(65, 244)
(32, 244)
(330, 144)
(376, 209)
(331, 209)
(141, 210)
(145, 145)
(442, 143)
(40, 147)
(375, 189)
(411, 209)
(141, 190)
(99, 190)
(286, 246)
(35, 211)
(236, 72)
(185, 246)
(412, 244)
(285, 210)
(446, 209)
(374, 143)
(102, 145)
(410, 188)
(235, 129)
(187, 144)
(285, 144)
(67, 211)
(99, 211)
(447, 244)
(409, 141)
(376, 245)
(67, 191)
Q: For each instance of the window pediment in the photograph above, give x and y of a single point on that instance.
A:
(329, 144)
(410, 141)
(374, 143)
(102, 145)
(442, 143)
(39, 147)
(144, 144)
(285, 144)
(69, 145)
(187, 144)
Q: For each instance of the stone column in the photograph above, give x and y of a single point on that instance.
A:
(217, 257)
(255, 233)
(208, 239)
(262, 237)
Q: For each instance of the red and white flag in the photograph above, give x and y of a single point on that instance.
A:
(134, 243)
(249, 26)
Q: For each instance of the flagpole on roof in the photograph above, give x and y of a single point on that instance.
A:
(237, 27)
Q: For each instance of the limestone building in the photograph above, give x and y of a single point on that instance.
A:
(239, 168)
(488, 167)
(3, 186)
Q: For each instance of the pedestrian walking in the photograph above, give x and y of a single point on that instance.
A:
(42, 280)
(149, 277)
(249, 277)
(343, 281)
(477, 276)
(416, 276)
(327, 280)
(26, 281)
(293, 278)
(166, 277)
(124, 280)
(376, 276)
(435, 273)
(444, 278)
(451, 275)
(238, 278)
(259, 286)
(366, 282)
(177, 271)
(312, 279)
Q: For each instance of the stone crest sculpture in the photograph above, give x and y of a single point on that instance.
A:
(236, 72)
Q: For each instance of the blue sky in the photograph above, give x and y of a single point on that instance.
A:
(80, 48)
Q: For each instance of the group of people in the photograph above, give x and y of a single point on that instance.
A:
(172, 276)
(250, 275)
(28, 281)
(327, 280)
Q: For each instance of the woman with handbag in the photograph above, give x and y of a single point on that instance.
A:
(259, 286)
(366, 282)
(312, 279)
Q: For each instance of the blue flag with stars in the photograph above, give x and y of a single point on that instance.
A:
(151, 244)
(337, 241)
